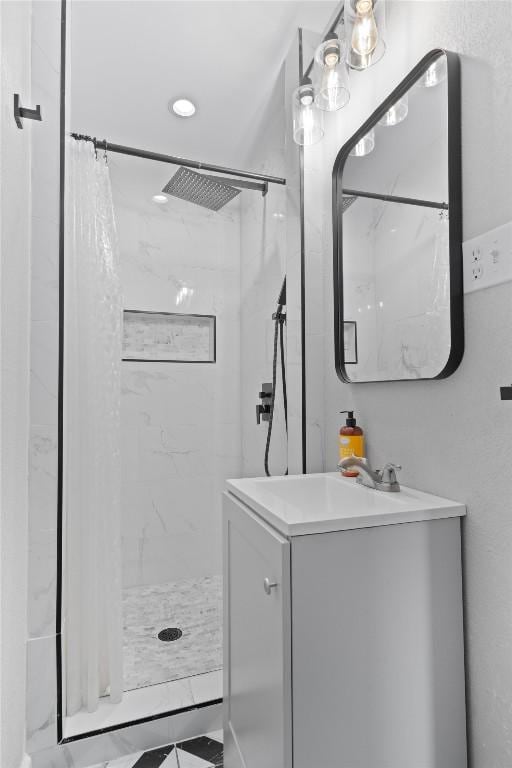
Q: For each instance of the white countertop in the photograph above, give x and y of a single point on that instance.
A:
(303, 504)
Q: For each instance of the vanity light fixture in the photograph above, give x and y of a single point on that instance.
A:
(364, 146)
(361, 46)
(397, 112)
(308, 127)
(333, 91)
(183, 107)
(364, 24)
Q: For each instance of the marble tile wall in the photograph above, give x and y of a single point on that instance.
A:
(312, 192)
(263, 267)
(181, 435)
(263, 271)
(315, 201)
(400, 335)
(292, 173)
(269, 229)
(41, 674)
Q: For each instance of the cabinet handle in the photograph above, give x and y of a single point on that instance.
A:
(268, 585)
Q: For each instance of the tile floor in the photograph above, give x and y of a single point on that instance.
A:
(145, 702)
(162, 676)
(201, 752)
(192, 605)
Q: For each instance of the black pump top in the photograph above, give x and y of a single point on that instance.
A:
(350, 422)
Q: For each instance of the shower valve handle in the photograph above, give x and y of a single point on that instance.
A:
(268, 585)
(262, 411)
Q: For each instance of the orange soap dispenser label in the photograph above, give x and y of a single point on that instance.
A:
(351, 445)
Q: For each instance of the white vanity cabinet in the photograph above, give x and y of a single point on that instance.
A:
(343, 637)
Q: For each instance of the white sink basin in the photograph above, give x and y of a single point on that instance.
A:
(302, 504)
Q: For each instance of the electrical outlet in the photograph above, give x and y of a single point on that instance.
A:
(488, 259)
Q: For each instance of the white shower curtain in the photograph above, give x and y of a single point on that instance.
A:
(92, 477)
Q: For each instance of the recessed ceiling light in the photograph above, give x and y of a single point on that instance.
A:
(160, 199)
(183, 107)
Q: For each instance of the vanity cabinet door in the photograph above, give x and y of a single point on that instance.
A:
(257, 687)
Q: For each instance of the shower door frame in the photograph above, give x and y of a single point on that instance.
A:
(60, 663)
(264, 180)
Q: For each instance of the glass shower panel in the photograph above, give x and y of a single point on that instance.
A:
(180, 420)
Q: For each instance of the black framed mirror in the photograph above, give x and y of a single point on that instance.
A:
(397, 227)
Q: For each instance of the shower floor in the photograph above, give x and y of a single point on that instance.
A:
(193, 606)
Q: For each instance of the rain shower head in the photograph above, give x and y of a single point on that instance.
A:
(347, 201)
(200, 189)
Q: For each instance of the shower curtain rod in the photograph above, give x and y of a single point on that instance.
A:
(396, 199)
(145, 155)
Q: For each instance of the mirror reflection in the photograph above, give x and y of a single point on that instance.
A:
(395, 282)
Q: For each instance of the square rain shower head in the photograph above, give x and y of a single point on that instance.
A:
(200, 189)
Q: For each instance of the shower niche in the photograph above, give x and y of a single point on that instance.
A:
(168, 337)
(397, 226)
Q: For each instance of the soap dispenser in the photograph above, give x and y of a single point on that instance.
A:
(351, 442)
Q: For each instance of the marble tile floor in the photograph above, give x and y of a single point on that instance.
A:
(192, 605)
(201, 752)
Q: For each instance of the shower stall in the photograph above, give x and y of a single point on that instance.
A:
(192, 275)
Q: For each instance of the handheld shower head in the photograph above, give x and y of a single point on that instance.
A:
(282, 294)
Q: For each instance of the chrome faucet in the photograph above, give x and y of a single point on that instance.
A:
(379, 480)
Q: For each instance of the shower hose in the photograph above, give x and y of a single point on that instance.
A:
(279, 321)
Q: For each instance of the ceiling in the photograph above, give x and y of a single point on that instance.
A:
(129, 58)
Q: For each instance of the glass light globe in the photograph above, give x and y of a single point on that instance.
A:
(397, 112)
(332, 92)
(364, 146)
(308, 125)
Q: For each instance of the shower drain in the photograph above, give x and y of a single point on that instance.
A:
(169, 634)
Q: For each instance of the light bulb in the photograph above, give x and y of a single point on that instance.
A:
(365, 35)
(308, 125)
(331, 53)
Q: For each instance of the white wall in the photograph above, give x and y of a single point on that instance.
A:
(454, 437)
(181, 431)
(15, 146)
(42, 566)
